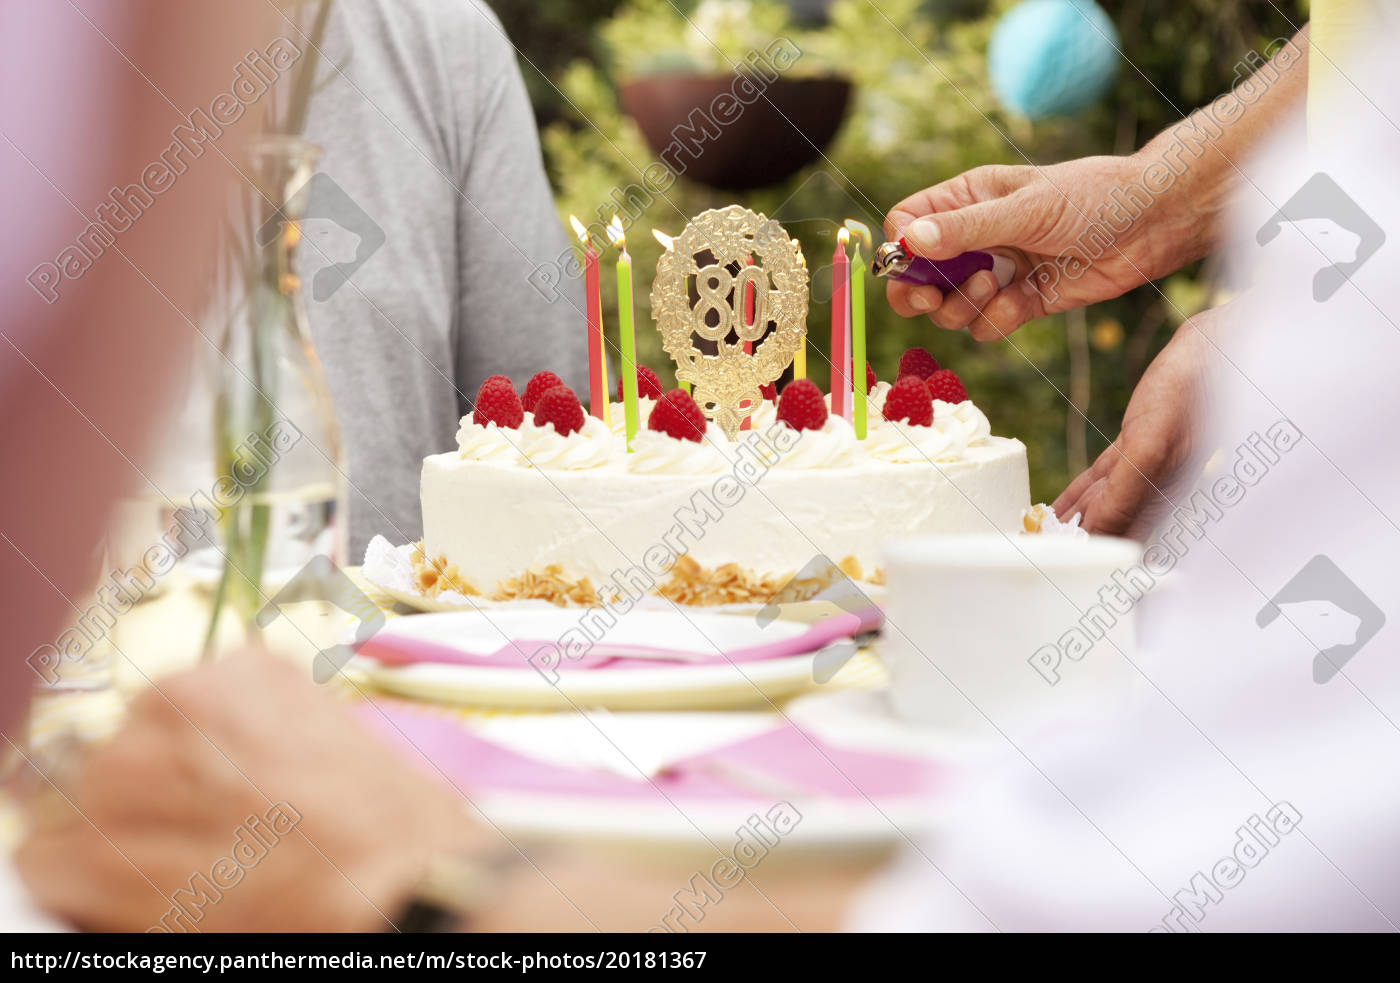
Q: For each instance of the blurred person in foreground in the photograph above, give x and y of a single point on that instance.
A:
(1090, 230)
(1250, 780)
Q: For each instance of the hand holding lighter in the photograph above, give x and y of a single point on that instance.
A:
(895, 261)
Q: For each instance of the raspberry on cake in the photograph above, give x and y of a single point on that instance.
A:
(560, 408)
(677, 415)
(802, 405)
(870, 379)
(909, 401)
(496, 402)
(648, 385)
(945, 385)
(539, 384)
(917, 361)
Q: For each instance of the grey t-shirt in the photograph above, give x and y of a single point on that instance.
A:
(431, 194)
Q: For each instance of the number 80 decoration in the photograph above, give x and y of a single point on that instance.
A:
(728, 382)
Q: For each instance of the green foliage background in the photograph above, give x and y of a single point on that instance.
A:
(923, 111)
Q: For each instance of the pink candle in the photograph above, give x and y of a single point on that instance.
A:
(597, 364)
(748, 320)
(841, 329)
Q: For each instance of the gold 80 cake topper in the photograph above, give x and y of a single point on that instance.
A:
(706, 338)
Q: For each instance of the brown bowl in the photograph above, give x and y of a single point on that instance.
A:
(733, 146)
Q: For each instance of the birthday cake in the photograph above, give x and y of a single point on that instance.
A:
(737, 494)
(547, 502)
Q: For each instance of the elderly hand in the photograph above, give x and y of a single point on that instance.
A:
(1078, 231)
(350, 824)
(1134, 481)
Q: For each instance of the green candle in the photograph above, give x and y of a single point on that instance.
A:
(626, 332)
(859, 271)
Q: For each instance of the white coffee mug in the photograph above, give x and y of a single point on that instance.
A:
(1007, 634)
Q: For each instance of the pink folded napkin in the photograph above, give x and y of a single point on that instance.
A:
(543, 655)
(781, 764)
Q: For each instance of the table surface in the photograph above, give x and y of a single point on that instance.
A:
(163, 635)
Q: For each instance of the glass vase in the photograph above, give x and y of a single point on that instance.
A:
(277, 497)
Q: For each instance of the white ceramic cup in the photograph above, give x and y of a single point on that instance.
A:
(1006, 634)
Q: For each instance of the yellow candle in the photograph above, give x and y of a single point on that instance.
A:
(799, 361)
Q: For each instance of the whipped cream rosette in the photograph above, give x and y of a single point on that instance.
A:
(477, 442)
(654, 452)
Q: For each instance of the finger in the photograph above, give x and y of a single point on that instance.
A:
(970, 187)
(961, 306)
(1073, 497)
(1074, 491)
(1080, 505)
(87, 881)
(909, 300)
(1004, 313)
(944, 235)
(1104, 515)
(1119, 499)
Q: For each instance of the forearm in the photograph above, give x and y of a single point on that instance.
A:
(1194, 165)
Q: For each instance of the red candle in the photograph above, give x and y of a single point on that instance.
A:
(841, 329)
(597, 359)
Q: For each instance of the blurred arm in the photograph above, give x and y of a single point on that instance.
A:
(84, 359)
(1209, 148)
(520, 311)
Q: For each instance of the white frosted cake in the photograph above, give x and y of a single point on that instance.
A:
(530, 511)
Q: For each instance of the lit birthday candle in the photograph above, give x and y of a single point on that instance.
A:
(666, 243)
(858, 274)
(627, 338)
(841, 328)
(799, 361)
(597, 357)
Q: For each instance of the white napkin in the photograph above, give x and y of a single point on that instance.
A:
(632, 745)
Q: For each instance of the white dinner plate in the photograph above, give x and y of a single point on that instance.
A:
(669, 686)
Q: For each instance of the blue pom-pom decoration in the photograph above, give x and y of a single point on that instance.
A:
(1053, 57)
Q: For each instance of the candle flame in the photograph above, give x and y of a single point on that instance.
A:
(843, 236)
(616, 234)
(579, 230)
(666, 241)
(862, 233)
